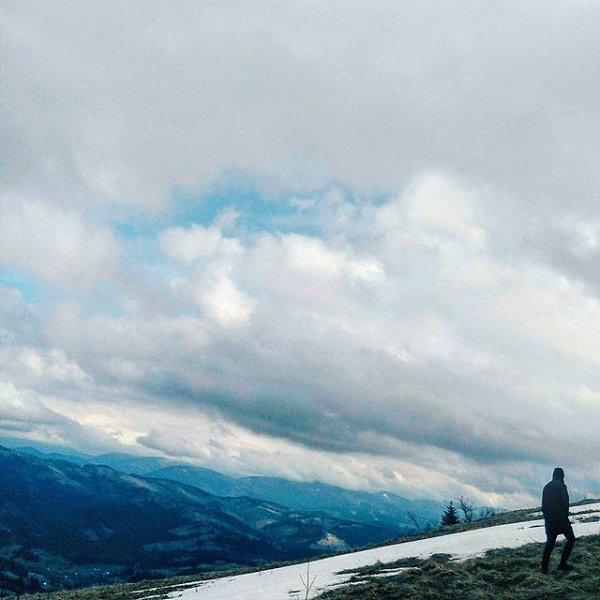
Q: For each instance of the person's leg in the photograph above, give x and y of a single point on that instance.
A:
(568, 533)
(550, 541)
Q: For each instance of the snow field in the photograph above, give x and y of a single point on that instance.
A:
(285, 583)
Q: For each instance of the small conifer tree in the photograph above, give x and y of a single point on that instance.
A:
(450, 516)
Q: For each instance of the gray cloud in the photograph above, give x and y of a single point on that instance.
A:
(38, 239)
(502, 94)
(20, 323)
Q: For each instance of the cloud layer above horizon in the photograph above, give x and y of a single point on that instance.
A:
(324, 241)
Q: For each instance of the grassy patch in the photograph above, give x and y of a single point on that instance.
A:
(508, 574)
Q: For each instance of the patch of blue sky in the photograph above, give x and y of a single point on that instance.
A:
(137, 227)
(102, 299)
(107, 300)
(138, 234)
(30, 289)
(257, 210)
(143, 251)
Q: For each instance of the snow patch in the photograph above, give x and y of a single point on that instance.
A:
(284, 582)
(332, 541)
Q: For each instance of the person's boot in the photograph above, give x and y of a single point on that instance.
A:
(565, 567)
(545, 562)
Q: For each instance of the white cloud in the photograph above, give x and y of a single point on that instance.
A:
(197, 243)
(18, 405)
(52, 365)
(554, 312)
(210, 287)
(313, 256)
(173, 445)
(55, 245)
(438, 205)
(226, 304)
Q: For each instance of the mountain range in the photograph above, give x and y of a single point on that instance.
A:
(63, 523)
(382, 509)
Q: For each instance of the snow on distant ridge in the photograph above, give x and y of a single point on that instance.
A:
(286, 583)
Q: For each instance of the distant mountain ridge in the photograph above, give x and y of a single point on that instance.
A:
(382, 508)
(91, 524)
(379, 509)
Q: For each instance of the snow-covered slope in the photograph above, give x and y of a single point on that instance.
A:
(286, 582)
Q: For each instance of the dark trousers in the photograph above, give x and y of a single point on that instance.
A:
(553, 530)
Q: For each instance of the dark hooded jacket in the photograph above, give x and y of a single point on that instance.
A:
(555, 499)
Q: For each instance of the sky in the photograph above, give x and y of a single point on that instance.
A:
(343, 241)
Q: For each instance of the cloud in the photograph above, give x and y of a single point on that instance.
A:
(19, 323)
(313, 256)
(197, 243)
(22, 406)
(55, 245)
(33, 416)
(171, 445)
(306, 94)
(420, 293)
(226, 304)
(51, 366)
(425, 350)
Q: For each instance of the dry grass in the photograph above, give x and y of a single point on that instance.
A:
(510, 574)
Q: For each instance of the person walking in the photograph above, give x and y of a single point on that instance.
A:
(555, 506)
